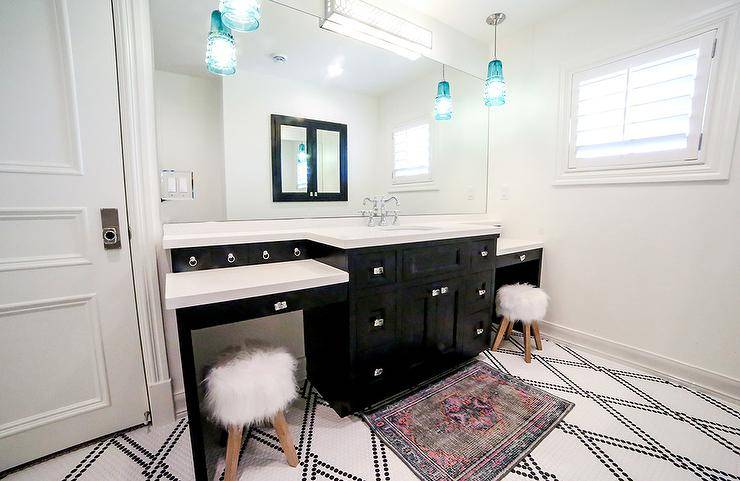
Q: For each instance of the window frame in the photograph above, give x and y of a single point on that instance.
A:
(411, 181)
(720, 117)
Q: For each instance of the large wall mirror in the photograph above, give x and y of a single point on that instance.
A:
(309, 160)
(222, 128)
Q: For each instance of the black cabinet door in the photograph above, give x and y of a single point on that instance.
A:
(428, 321)
(417, 307)
(442, 325)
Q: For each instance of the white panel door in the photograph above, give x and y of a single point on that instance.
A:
(70, 358)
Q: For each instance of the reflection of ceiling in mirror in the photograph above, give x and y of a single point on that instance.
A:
(314, 55)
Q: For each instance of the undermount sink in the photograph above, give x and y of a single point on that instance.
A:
(409, 228)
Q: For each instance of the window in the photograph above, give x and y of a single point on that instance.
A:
(657, 114)
(648, 108)
(412, 153)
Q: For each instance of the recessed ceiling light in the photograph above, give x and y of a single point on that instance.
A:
(334, 69)
(278, 58)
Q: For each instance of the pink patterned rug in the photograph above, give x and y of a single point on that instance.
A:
(474, 425)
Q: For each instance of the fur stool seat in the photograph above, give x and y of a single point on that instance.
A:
(524, 303)
(252, 383)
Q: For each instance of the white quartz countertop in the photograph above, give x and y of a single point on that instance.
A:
(505, 245)
(185, 289)
(350, 236)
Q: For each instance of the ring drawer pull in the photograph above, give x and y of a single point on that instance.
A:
(484, 253)
(378, 372)
(378, 270)
(231, 258)
(445, 290)
(478, 331)
(522, 257)
(297, 252)
(481, 292)
(435, 292)
(280, 305)
(193, 261)
(265, 255)
(378, 322)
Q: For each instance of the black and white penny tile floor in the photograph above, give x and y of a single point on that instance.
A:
(626, 425)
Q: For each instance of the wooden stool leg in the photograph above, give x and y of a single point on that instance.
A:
(509, 329)
(286, 440)
(500, 333)
(527, 345)
(233, 446)
(537, 338)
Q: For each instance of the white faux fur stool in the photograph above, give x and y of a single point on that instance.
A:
(249, 384)
(525, 303)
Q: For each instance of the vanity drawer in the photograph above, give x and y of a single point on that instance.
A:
(192, 259)
(518, 257)
(373, 269)
(264, 253)
(375, 321)
(374, 365)
(438, 259)
(474, 333)
(482, 254)
(478, 291)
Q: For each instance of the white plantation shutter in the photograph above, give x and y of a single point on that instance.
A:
(648, 108)
(412, 153)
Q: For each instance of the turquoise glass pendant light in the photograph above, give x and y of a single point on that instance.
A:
(302, 155)
(443, 100)
(241, 15)
(221, 48)
(494, 89)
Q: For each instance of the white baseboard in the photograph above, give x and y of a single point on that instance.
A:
(181, 409)
(714, 383)
(160, 402)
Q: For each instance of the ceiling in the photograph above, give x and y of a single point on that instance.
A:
(179, 31)
(471, 18)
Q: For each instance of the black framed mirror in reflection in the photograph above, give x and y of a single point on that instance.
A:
(220, 129)
(309, 160)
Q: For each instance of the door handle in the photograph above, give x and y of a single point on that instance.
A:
(111, 230)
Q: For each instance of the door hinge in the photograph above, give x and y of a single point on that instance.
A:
(130, 233)
(701, 138)
(714, 48)
(147, 417)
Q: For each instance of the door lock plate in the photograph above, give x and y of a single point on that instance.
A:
(111, 230)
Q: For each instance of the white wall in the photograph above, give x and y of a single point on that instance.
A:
(190, 138)
(249, 99)
(459, 155)
(654, 267)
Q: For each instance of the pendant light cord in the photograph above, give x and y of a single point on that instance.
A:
(443, 72)
(495, 40)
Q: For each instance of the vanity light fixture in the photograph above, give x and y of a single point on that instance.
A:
(443, 100)
(370, 24)
(241, 15)
(494, 90)
(221, 48)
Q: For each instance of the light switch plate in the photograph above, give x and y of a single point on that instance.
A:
(176, 185)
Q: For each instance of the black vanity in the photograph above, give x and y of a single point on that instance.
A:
(404, 315)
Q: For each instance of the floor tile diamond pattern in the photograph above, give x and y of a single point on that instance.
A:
(626, 425)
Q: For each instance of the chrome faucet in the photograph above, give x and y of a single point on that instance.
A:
(384, 213)
(378, 210)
